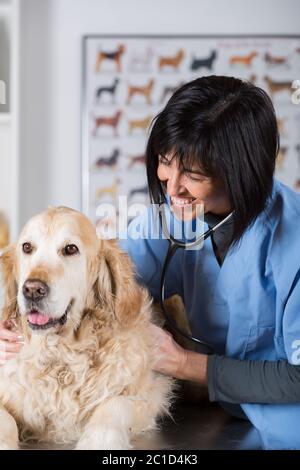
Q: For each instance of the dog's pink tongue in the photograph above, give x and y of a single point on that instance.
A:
(38, 318)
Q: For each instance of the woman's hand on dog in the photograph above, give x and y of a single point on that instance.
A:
(177, 362)
(11, 341)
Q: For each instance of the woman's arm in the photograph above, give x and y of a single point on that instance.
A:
(246, 381)
(229, 380)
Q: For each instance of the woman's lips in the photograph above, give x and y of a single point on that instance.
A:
(182, 201)
(186, 208)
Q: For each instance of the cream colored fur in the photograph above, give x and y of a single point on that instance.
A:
(89, 382)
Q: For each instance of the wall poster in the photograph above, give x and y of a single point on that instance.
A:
(128, 79)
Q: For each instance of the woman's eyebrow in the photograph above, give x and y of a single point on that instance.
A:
(190, 170)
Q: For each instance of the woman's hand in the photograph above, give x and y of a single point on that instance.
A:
(177, 362)
(10, 341)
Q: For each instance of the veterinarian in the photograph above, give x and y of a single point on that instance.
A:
(216, 143)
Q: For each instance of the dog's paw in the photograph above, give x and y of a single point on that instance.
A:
(110, 439)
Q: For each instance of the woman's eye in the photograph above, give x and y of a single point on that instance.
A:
(163, 160)
(195, 178)
(27, 248)
(70, 250)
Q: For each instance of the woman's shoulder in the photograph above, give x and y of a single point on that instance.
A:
(281, 238)
(283, 207)
(279, 223)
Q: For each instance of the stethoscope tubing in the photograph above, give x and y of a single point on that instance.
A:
(174, 244)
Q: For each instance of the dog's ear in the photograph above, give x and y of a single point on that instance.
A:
(116, 287)
(7, 263)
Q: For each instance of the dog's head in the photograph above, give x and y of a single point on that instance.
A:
(59, 269)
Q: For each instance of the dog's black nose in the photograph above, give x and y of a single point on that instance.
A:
(33, 289)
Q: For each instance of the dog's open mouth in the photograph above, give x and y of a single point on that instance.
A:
(38, 320)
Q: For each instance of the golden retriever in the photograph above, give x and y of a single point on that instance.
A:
(84, 375)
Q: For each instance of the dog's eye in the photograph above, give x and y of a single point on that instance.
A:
(70, 250)
(27, 248)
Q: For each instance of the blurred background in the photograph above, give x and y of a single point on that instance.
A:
(47, 115)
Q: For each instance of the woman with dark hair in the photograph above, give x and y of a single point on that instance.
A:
(215, 143)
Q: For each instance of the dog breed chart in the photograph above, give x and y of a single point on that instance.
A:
(127, 80)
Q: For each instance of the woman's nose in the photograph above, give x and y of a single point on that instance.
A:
(174, 183)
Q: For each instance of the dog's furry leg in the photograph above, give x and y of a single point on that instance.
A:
(109, 426)
(8, 431)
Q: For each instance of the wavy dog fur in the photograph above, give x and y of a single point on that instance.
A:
(89, 381)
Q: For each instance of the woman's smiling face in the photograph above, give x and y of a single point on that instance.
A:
(189, 189)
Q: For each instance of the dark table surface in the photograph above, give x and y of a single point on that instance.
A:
(203, 426)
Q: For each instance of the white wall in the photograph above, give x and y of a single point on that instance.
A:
(51, 72)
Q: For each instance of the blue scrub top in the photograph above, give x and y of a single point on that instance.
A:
(249, 308)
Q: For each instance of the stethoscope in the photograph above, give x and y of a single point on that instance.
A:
(172, 248)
